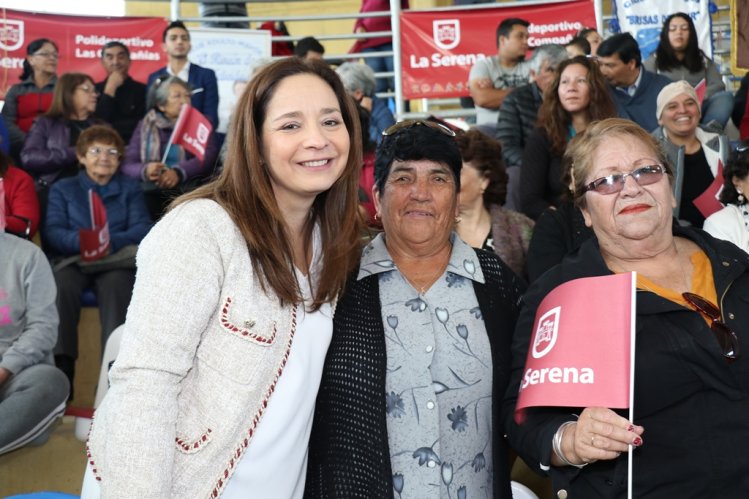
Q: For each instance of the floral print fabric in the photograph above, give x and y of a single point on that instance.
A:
(439, 378)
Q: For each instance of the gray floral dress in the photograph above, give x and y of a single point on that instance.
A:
(439, 378)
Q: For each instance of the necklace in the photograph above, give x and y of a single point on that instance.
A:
(431, 278)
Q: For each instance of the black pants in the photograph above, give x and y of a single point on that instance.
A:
(113, 290)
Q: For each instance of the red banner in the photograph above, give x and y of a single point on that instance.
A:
(79, 40)
(440, 47)
(192, 131)
(95, 241)
(579, 354)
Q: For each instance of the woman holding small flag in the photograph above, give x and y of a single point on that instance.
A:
(213, 390)
(689, 434)
(165, 169)
(99, 149)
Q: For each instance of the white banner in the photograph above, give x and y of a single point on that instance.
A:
(643, 19)
(233, 54)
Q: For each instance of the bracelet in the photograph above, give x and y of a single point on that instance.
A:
(556, 445)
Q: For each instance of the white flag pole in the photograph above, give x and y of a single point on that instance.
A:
(91, 207)
(632, 319)
(177, 126)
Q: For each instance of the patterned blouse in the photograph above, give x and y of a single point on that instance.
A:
(439, 378)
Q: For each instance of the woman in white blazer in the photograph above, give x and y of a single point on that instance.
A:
(214, 387)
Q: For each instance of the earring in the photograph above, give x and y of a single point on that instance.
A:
(741, 196)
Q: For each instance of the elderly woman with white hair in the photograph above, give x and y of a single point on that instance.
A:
(165, 170)
(359, 81)
(696, 151)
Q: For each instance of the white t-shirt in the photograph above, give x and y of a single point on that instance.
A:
(275, 463)
(501, 77)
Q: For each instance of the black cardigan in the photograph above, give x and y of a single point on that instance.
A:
(349, 455)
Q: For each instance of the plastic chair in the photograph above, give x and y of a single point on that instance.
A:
(520, 491)
(83, 421)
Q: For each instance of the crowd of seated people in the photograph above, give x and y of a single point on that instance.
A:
(63, 144)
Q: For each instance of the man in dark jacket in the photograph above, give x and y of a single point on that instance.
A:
(519, 111)
(635, 90)
(122, 100)
(202, 80)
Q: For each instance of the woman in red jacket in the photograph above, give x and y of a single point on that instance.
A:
(21, 204)
(33, 96)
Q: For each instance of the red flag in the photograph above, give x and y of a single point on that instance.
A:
(2, 205)
(192, 131)
(95, 241)
(707, 202)
(582, 347)
(700, 90)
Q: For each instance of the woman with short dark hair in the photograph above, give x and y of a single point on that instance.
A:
(484, 223)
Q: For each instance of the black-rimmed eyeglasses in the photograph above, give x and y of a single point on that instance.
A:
(729, 342)
(645, 175)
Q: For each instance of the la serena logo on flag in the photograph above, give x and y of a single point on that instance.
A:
(581, 350)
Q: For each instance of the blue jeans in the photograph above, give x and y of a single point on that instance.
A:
(718, 108)
(381, 65)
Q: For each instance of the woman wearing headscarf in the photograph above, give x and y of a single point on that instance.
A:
(696, 151)
(678, 56)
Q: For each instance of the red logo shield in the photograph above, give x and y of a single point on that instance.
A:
(11, 34)
(446, 33)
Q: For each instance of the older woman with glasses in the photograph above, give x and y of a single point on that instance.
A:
(691, 391)
(420, 343)
(30, 98)
(165, 170)
(99, 150)
(732, 222)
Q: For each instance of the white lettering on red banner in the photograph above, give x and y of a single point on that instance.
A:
(437, 57)
(556, 375)
(79, 40)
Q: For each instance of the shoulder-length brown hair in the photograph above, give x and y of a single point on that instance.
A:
(555, 120)
(244, 190)
(62, 98)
